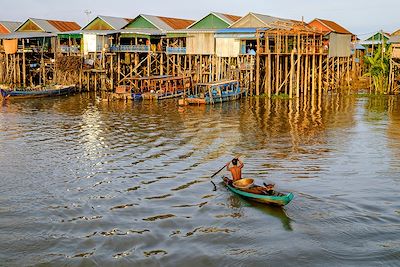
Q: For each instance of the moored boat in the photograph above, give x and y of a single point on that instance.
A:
(215, 92)
(277, 198)
(157, 87)
(33, 93)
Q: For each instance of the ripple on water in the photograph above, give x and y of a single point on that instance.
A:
(84, 182)
(159, 217)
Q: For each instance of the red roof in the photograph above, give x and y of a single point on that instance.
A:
(64, 26)
(232, 17)
(328, 26)
(177, 24)
(3, 30)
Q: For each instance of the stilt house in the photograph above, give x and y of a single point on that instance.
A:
(145, 32)
(240, 38)
(199, 35)
(337, 39)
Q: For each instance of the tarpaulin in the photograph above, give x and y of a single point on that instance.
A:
(10, 46)
(339, 45)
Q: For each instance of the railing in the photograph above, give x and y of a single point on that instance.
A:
(70, 49)
(176, 50)
(102, 48)
(130, 48)
(34, 49)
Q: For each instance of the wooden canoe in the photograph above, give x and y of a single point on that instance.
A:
(279, 199)
(21, 93)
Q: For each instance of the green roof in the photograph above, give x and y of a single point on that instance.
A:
(140, 23)
(211, 21)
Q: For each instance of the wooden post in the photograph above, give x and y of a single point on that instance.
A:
(298, 74)
(161, 63)
(119, 67)
(320, 76)
(95, 82)
(291, 74)
(269, 77)
(258, 64)
(148, 63)
(201, 69)
(277, 81)
(313, 87)
(327, 72)
(23, 64)
(306, 76)
(333, 72)
(338, 71)
(15, 68)
(112, 72)
(348, 72)
(286, 71)
(88, 81)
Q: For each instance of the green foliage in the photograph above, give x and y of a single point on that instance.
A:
(378, 68)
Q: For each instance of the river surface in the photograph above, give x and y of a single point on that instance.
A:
(85, 182)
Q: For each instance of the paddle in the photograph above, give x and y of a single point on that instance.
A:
(215, 187)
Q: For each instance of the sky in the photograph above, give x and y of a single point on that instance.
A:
(361, 17)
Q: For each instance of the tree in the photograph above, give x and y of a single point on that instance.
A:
(378, 68)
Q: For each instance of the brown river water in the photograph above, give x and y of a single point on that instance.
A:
(85, 182)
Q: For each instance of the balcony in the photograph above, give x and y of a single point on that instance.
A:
(130, 48)
(176, 50)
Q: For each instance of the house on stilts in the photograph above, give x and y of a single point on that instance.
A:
(31, 51)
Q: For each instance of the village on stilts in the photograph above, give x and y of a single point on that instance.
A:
(156, 57)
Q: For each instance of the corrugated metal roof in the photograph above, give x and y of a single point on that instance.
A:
(26, 35)
(367, 42)
(96, 32)
(10, 25)
(333, 26)
(269, 21)
(193, 31)
(395, 39)
(3, 30)
(177, 24)
(143, 31)
(64, 26)
(359, 47)
(116, 23)
(396, 32)
(230, 19)
(236, 30)
(167, 24)
(53, 26)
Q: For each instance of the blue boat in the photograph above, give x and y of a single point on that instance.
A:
(277, 198)
(33, 93)
(215, 92)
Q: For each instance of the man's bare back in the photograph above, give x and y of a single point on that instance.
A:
(236, 170)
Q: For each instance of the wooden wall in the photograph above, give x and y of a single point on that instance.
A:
(227, 47)
(200, 44)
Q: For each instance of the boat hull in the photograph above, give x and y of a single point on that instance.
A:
(194, 100)
(36, 93)
(279, 200)
(158, 96)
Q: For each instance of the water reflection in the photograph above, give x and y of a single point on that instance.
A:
(237, 203)
(146, 198)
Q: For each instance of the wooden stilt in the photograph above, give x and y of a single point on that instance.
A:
(291, 74)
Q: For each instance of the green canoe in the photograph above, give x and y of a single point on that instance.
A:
(279, 199)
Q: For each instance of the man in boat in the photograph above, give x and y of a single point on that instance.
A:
(236, 170)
